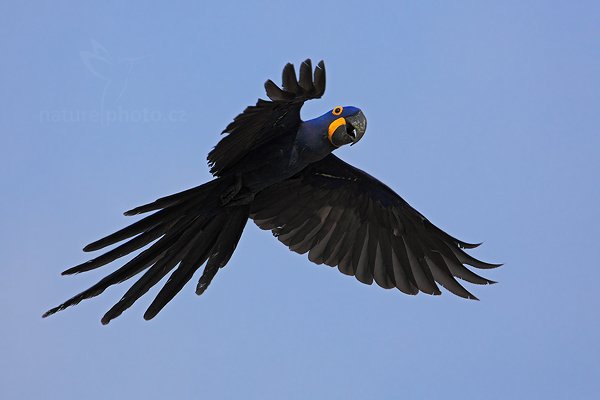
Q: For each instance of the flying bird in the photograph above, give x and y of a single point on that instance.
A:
(281, 172)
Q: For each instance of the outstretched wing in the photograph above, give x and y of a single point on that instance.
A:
(346, 218)
(268, 119)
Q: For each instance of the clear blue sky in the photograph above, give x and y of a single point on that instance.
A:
(485, 116)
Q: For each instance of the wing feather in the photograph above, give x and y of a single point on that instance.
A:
(343, 217)
(268, 119)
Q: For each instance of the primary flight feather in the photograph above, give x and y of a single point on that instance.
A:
(279, 171)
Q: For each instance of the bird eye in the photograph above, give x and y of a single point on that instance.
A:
(338, 110)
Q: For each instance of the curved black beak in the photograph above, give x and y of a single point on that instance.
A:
(347, 130)
(356, 125)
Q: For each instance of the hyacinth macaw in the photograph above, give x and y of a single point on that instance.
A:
(280, 171)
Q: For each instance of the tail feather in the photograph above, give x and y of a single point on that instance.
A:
(192, 228)
(128, 247)
(175, 205)
(224, 247)
(189, 265)
(163, 265)
(139, 263)
(199, 192)
(216, 244)
(133, 229)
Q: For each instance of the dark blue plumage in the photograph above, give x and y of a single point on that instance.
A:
(286, 155)
(279, 171)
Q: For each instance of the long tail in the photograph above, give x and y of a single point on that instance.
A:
(189, 228)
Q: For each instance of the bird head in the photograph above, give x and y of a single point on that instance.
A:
(347, 125)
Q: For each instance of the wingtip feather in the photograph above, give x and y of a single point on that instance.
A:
(466, 245)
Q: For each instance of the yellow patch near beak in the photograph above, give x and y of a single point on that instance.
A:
(334, 125)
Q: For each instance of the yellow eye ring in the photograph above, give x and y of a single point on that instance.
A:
(338, 110)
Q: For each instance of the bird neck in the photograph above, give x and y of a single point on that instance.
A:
(313, 136)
